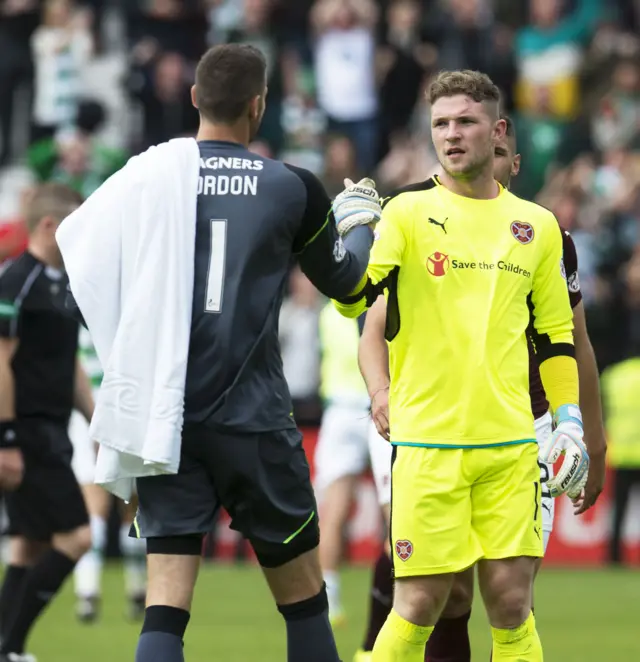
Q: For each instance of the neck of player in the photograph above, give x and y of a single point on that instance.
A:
(48, 255)
(482, 187)
(240, 132)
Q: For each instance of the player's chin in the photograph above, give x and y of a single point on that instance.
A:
(458, 166)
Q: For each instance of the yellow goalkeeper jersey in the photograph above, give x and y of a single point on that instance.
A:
(463, 277)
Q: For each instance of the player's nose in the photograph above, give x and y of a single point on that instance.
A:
(452, 134)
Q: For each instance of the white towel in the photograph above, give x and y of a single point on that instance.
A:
(129, 254)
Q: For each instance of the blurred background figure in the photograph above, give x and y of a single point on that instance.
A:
(344, 52)
(19, 19)
(61, 47)
(621, 392)
(299, 340)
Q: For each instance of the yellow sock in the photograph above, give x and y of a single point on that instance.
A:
(519, 645)
(400, 641)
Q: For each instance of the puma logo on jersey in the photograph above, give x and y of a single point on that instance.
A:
(440, 225)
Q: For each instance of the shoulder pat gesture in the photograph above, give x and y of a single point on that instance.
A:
(358, 204)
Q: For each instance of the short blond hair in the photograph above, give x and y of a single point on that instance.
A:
(474, 84)
(51, 199)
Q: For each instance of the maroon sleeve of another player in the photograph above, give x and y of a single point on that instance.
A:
(570, 259)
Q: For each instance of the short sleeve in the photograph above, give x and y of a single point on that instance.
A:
(390, 242)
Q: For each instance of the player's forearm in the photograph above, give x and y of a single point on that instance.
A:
(559, 376)
(336, 269)
(82, 394)
(373, 359)
(7, 393)
(590, 402)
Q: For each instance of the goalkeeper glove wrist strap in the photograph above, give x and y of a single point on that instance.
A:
(8, 436)
(568, 414)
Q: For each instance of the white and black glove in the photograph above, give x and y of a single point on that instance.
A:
(566, 439)
(358, 204)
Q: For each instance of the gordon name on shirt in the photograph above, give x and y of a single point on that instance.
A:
(228, 184)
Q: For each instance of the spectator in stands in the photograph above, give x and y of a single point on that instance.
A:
(344, 51)
(403, 59)
(161, 82)
(18, 21)
(75, 156)
(61, 46)
(340, 161)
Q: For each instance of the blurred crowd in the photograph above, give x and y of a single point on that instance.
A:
(346, 97)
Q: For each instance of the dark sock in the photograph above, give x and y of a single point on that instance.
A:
(381, 599)
(10, 593)
(162, 633)
(40, 585)
(449, 642)
(309, 635)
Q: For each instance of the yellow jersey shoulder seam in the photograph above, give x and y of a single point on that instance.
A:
(418, 187)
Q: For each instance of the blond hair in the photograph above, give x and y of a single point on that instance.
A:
(473, 84)
(52, 199)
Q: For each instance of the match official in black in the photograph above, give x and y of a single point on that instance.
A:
(40, 381)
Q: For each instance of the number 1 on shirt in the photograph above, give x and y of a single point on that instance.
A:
(217, 259)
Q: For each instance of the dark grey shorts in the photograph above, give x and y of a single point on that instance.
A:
(261, 479)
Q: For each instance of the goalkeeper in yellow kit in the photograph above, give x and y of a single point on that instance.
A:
(463, 264)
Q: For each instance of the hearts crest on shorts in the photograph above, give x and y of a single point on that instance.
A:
(404, 549)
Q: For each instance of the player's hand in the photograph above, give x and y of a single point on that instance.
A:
(11, 468)
(595, 481)
(358, 204)
(566, 440)
(380, 412)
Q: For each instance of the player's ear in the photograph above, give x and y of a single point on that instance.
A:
(500, 130)
(193, 96)
(515, 166)
(49, 223)
(255, 108)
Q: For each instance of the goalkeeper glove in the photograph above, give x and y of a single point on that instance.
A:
(358, 204)
(566, 439)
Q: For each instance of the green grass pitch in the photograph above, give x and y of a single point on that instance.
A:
(583, 616)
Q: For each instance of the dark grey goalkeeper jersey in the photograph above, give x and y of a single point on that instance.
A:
(254, 214)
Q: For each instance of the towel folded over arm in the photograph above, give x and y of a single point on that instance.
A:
(129, 254)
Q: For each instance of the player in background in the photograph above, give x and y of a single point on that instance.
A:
(462, 261)
(450, 639)
(241, 449)
(41, 381)
(344, 449)
(88, 571)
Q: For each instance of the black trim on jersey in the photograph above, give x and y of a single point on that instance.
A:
(394, 457)
(541, 342)
(556, 349)
(570, 259)
(410, 188)
(392, 321)
(370, 292)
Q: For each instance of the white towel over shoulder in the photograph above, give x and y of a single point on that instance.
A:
(129, 253)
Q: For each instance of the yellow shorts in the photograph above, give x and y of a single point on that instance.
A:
(451, 507)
